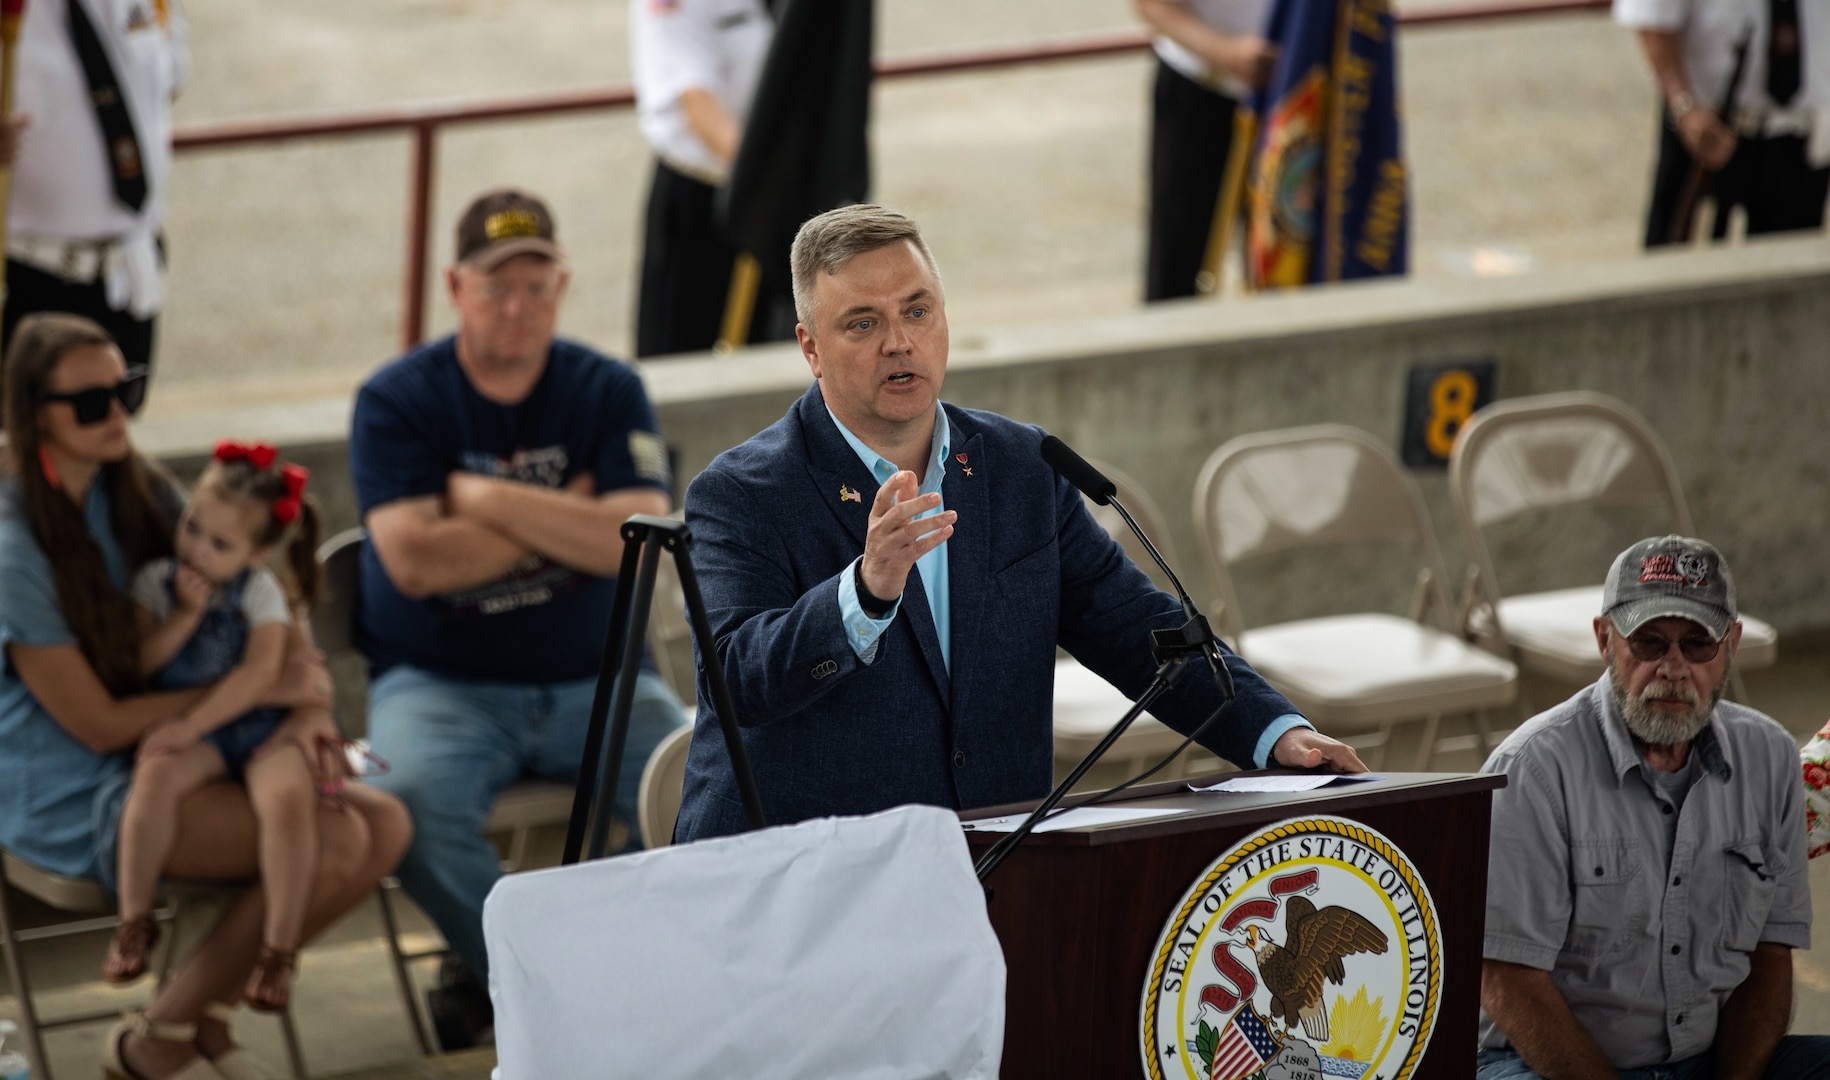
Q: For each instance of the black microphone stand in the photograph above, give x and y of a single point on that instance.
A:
(643, 537)
(1172, 649)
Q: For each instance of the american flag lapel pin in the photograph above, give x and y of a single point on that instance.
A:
(848, 495)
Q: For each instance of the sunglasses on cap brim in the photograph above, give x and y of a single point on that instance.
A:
(92, 405)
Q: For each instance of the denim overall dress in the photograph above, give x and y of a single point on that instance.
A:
(213, 651)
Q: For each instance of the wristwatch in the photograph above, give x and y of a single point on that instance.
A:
(1682, 104)
(872, 606)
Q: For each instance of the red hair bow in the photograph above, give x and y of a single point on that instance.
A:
(286, 507)
(259, 455)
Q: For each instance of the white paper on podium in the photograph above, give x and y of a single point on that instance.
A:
(1299, 782)
(1071, 818)
(855, 947)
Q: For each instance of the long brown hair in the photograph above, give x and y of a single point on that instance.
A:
(237, 479)
(100, 614)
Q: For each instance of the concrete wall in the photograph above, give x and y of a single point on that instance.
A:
(1726, 352)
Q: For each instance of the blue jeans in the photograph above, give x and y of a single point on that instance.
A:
(1798, 1057)
(453, 744)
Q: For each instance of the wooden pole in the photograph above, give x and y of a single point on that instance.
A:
(12, 13)
(739, 304)
(1227, 206)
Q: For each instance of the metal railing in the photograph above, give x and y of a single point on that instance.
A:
(423, 123)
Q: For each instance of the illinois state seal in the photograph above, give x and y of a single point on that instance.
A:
(1310, 951)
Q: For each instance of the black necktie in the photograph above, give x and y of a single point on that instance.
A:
(122, 144)
(1784, 51)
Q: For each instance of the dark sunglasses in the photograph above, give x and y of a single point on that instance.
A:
(92, 405)
(1650, 647)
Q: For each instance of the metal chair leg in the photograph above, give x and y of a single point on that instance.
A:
(403, 976)
(294, 1057)
(1377, 764)
(1426, 750)
(22, 988)
(1484, 732)
(1737, 690)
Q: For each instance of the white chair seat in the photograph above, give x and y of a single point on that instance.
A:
(1086, 707)
(1553, 634)
(1360, 671)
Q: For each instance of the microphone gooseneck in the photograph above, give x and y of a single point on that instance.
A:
(1097, 486)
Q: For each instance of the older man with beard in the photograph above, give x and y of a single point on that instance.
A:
(1646, 882)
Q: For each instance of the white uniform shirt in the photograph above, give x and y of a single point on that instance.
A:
(1711, 29)
(1232, 17)
(62, 187)
(678, 45)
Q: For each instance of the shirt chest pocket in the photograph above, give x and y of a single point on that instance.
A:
(1750, 879)
(1610, 898)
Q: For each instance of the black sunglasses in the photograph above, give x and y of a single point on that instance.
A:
(92, 405)
(1649, 647)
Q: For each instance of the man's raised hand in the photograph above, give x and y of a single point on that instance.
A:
(895, 540)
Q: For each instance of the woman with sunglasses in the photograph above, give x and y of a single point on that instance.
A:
(79, 512)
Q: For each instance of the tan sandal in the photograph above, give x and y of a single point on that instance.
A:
(127, 953)
(270, 983)
(235, 1063)
(114, 1066)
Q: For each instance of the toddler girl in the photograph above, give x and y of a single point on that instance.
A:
(216, 616)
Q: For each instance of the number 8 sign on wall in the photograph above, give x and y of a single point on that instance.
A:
(1437, 402)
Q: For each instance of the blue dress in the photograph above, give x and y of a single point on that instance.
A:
(60, 802)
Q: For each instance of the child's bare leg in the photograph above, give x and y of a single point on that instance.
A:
(149, 826)
(285, 800)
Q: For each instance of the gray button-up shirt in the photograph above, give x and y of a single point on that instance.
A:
(1644, 932)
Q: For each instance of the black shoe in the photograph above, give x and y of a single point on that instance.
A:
(460, 1008)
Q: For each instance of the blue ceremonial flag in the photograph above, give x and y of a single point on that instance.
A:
(1328, 197)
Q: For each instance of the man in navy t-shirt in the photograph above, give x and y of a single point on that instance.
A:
(494, 469)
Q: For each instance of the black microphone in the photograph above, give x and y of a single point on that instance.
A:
(1097, 486)
(1080, 472)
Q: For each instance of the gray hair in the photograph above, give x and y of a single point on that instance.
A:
(827, 242)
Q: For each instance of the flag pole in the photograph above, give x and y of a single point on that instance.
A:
(12, 13)
(739, 304)
(1226, 207)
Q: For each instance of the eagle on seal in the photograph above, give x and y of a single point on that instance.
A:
(1316, 941)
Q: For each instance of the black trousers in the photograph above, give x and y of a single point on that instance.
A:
(1768, 177)
(30, 290)
(686, 273)
(1191, 134)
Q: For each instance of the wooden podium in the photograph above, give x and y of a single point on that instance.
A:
(1080, 911)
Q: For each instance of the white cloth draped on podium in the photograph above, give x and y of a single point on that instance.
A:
(840, 947)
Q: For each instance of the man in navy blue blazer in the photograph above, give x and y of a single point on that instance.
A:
(887, 578)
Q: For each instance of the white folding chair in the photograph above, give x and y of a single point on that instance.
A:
(1562, 452)
(834, 947)
(1359, 672)
(663, 778)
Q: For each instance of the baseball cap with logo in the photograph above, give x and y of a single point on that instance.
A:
(501, 224)
(1666, 576)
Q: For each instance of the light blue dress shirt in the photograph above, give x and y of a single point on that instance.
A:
(860, 629)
